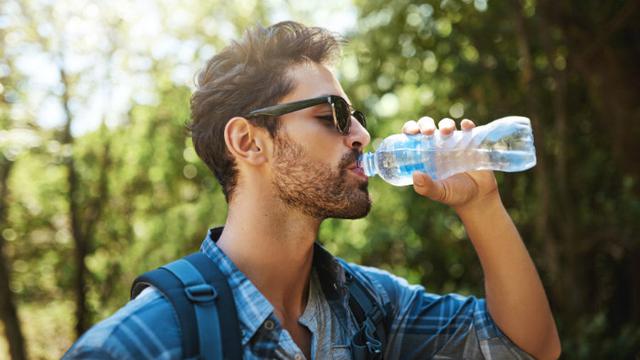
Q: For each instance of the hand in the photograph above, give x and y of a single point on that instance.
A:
(459, 191)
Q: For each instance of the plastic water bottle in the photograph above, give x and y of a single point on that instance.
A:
(505, 144)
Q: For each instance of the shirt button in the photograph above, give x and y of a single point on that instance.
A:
(269, 325)
(299, 356)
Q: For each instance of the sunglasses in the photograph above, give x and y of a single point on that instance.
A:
(341, 110)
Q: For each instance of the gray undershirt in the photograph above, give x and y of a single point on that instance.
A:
(326, 332)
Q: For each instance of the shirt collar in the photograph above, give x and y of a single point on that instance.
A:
(253, 308)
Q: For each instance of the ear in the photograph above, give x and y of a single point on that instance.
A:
(246, 142)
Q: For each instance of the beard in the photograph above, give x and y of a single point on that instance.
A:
(315, 188)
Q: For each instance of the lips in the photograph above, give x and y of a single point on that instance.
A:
(352, 163)
(357, 170)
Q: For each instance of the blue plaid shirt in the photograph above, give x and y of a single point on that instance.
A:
(422, 325)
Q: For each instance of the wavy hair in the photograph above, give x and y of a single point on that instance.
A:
(249, 74)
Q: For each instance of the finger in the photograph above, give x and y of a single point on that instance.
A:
(467, 125)
(425, 186)
(427, 125)
(410, 127)
(446, 126)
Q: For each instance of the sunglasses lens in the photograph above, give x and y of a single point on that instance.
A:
(343, 117)
(362, 119)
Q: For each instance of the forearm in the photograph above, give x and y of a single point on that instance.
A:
(515, 296)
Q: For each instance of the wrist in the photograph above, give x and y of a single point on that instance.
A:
(479, 206)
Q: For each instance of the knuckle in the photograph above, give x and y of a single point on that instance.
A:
(445, 193)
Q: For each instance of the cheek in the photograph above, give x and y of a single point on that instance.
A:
(328, 154)
(321, 144)
(319, 147)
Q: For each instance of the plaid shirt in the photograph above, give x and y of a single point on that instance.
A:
(422, 325)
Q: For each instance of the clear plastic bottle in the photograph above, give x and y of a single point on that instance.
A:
(505, 144)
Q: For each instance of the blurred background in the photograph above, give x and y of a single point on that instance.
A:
(99, 181)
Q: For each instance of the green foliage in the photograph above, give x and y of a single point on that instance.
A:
(574, 210)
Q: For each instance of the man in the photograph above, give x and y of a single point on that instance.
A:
(285, 164)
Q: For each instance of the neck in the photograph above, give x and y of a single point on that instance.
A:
(273, 246)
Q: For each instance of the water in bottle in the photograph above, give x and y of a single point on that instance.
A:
(505, 144)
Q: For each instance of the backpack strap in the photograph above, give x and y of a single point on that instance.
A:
(370, 340)
(201, 297)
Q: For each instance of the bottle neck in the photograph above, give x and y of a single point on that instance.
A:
(368, 163)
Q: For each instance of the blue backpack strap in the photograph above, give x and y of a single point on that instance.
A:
(227, 312)
(370, 340)
(201, 296)
(173, 290)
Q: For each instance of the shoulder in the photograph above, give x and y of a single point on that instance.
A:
(146, 327)
(415, 301)
(398, 289)
(450, 325)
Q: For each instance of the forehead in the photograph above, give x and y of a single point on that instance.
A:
(312, 80)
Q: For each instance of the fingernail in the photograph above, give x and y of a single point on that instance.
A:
(418, 180)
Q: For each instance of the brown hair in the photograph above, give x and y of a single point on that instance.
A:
(246, 75)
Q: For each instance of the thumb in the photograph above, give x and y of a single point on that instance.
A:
(424, 185)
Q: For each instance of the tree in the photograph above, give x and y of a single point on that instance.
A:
(9, 150)
(567, 66)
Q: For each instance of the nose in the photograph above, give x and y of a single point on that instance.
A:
(358, 136)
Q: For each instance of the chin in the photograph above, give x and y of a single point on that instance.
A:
(357, 207)
(355, 215)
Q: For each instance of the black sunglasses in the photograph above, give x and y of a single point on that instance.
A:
(340, 109)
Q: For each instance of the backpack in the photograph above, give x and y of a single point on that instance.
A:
(201, 297)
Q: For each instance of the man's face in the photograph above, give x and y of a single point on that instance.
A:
(314, 168)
